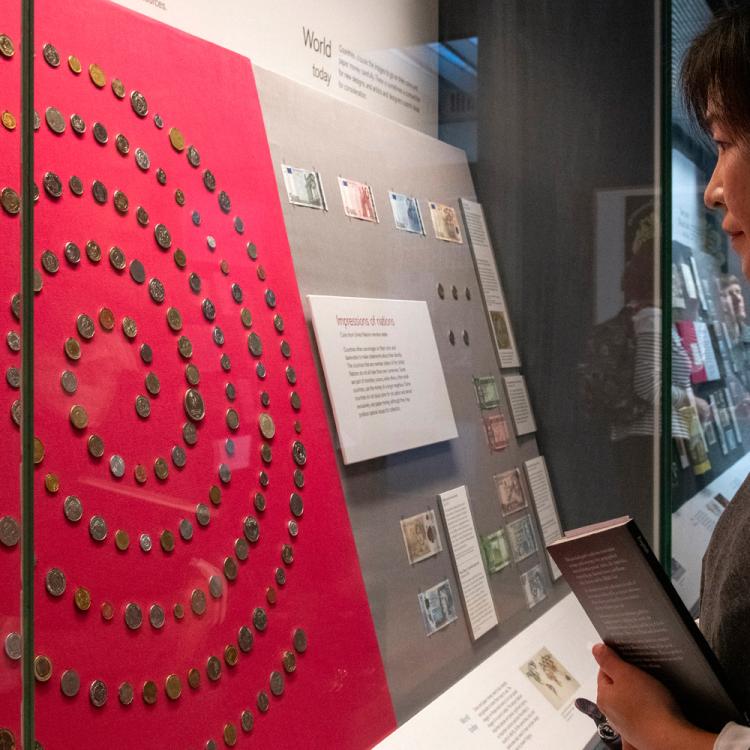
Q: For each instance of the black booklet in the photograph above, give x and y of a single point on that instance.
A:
(637, 612)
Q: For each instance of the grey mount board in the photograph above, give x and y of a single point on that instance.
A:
(336, 255)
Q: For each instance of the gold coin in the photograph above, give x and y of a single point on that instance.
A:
(122, 540)
(108, 611)
(78, 417)
(97, 75)
(230, 735)
(9, 121)
(42, 668)
(289, 660)
(167, 541)
(149, 692)
(73, 348)
(129, 327)
(74, 64)
(231, 655)
(194, 678)
(106, 319)
(38, 451)
(82, 598)
(140, 473)
(214, 495)
(176, 139)
(271, 595)
(173, 687)
(118, 88)
(52, 482)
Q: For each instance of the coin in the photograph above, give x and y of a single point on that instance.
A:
(229, 446)
(225, 362)
(260, 618)
(38, 281)
(286, 349)
(263, 701)
(277, 683)
(107, 610)
(230, 569)
(271, 595)
(192, 375)
(263, 478)
(138, 102)
(167, 539)
(179, 611)
(299, 454)
(15, 306)
(218, 336)
(299, 639)
(42, 668)
(133, 616)
(225, 473)
(137, 271)
(100, 133)
(213, 668)
(194, 282)
(122, 144)
(13, 646)
(214, 494)
(70, 683)
(158, 121)
(8, 120)
(51, 55)
(85, 326)
(147, 355)
(72, 253)
(141, 216)
(98, 693)
(52, 483)
(194, 678)
(254, 344)
(149, 692)
(202, 514)
(179, 197)
(215, 587)
(50, 262)
(209, 180)
(295, 400)
(156, 616)
(224, 202)
(141, 159)
(121, 201)
(267, 426)
(261, 273)
(173, 687)
(97, 76)
(152, 384)
(245, 639)
(82, 598)
(118, 88)
(52, 184)
(266, 453)
(75, 185)
(161, 176)
(196, 218)
(129, 327)
(230, 735)
(198, 602)
(95, 446)
(13, 376)
(73, 508)
(247, 720)
(180, 259)
(186, 530)
(163, 238)
(241, 549)
(233, 419)
(176, 139)
(122, 540)
(156, 290)
(106, 319)
(259, 501)
(194, 406)
(296, 505)
(208, 308)
(125, 693)
(189, 433)
(7, 49)
(15, 412)
(10, 201)
(99, 191)
(98, 528)
(55, 582)
(93, 251)
(78, 417)
(278, 323)
(211, 243)
(117, 466)
(280, 576)
(38, 451)
(145, 539)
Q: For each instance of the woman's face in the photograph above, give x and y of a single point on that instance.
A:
(729, 190)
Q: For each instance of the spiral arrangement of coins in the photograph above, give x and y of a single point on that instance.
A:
(85, 329)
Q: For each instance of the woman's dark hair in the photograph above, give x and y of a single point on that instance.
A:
(716, 72)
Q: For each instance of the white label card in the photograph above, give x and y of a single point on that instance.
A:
(472, 578)
(383, 373)
(544, 502)
(489, 280)
(518, 398)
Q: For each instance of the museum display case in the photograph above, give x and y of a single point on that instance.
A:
(325, 313)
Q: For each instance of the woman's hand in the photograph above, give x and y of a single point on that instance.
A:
(641, 709)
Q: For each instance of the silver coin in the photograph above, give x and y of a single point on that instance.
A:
(186, 530)
(189, 433)
(99, 191)
(299, 454)
(76, 185)
(209, 180)
(225, 204)
(225, 362)
(178, 457)
(147, 354)
(137, 271)
(286, 349)
(10, 532)
(210, 745)
(194, 282)
(215, 587)
(225, 473)
(296, 505)
(100, 133)
(254, 344)
(55, 120)
(163, 238)
(139, 104)
(213, 668)
(72, 253)
(276, 682)
(161, 176)
(237, 295)
(208, 308)
(13, 646)
(117, 466)
(278, 323)
(299, 639)
(198, 602)
(13, 339)
(126, 693)
(121, 201)
(259, 501)
(73, 508)
(158, 121)
(54, 581)
(218, 336)
(15, 412)
(78, 124)
(98, 528)
(270, 296)
(202, 514)
(251, 529)
(280, 576)
(252, 251)
(230, 391)
(52, 184)
(141, 216)
(293, 528)
(122, 144)
(263, 478)
(13, 376)
(241, 549)
(156, 616)
(193, 157)
(145, 542)
(263, 701)
(85, 326)
(10, 201)
(194, 406)
(133, 616)
(196, 218)
(93, 251)
(229, 446)
(51, 55)
(230, 569)
(299, 479)
(179, 197)
(70, 683)
(98, 693)
(141, 159)
(291, 375)
(239, 225)
(245, 639)
(117, 258)
(142, 406)
(156, 290)
(287, 554)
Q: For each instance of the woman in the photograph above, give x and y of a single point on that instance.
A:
(716, 85)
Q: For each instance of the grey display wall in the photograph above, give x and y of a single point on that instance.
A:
(335, 255)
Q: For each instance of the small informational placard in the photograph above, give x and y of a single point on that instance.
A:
(383, 373)
(518, 398)
(467, 556)
(544, 502)
(489, 280)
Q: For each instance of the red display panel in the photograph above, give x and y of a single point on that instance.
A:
(160, 309)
